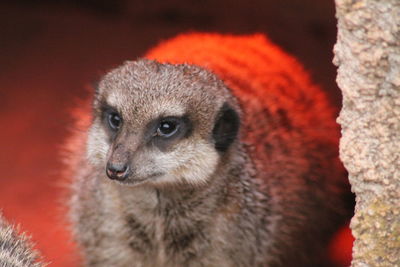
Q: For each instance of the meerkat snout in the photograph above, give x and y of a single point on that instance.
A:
(117, 171)
(117, 167)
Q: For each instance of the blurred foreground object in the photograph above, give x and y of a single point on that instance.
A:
(367, 53)
(16, 249)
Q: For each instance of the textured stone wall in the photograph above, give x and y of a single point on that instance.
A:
(367, 54)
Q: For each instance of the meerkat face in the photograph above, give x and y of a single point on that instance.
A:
(161, 124)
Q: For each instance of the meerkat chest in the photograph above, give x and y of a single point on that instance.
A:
(161, 234)
(175, 241)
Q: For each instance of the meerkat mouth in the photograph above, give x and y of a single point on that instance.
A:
(132, 181)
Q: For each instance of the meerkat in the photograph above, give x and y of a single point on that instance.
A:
(16, 249)
(213, 150)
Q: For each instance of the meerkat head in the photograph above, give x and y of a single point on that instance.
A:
(161, 124)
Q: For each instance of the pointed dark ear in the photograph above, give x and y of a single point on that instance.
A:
(226, 128)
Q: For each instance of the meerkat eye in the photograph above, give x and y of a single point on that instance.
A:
(167, 128)
(114, 120)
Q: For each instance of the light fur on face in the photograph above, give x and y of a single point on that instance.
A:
(97, 145)
(191, 163)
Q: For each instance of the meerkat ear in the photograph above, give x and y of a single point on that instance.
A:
(226, 128)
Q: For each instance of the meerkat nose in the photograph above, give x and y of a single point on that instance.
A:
(117, 171)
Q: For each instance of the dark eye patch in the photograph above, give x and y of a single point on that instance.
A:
(166, 131)
(111, 119)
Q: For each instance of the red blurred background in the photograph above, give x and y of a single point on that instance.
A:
(50, 51)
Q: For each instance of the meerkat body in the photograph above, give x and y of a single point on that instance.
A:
(16, 249)
(223, 155)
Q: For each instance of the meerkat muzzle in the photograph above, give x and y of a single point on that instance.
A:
(117, 171)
